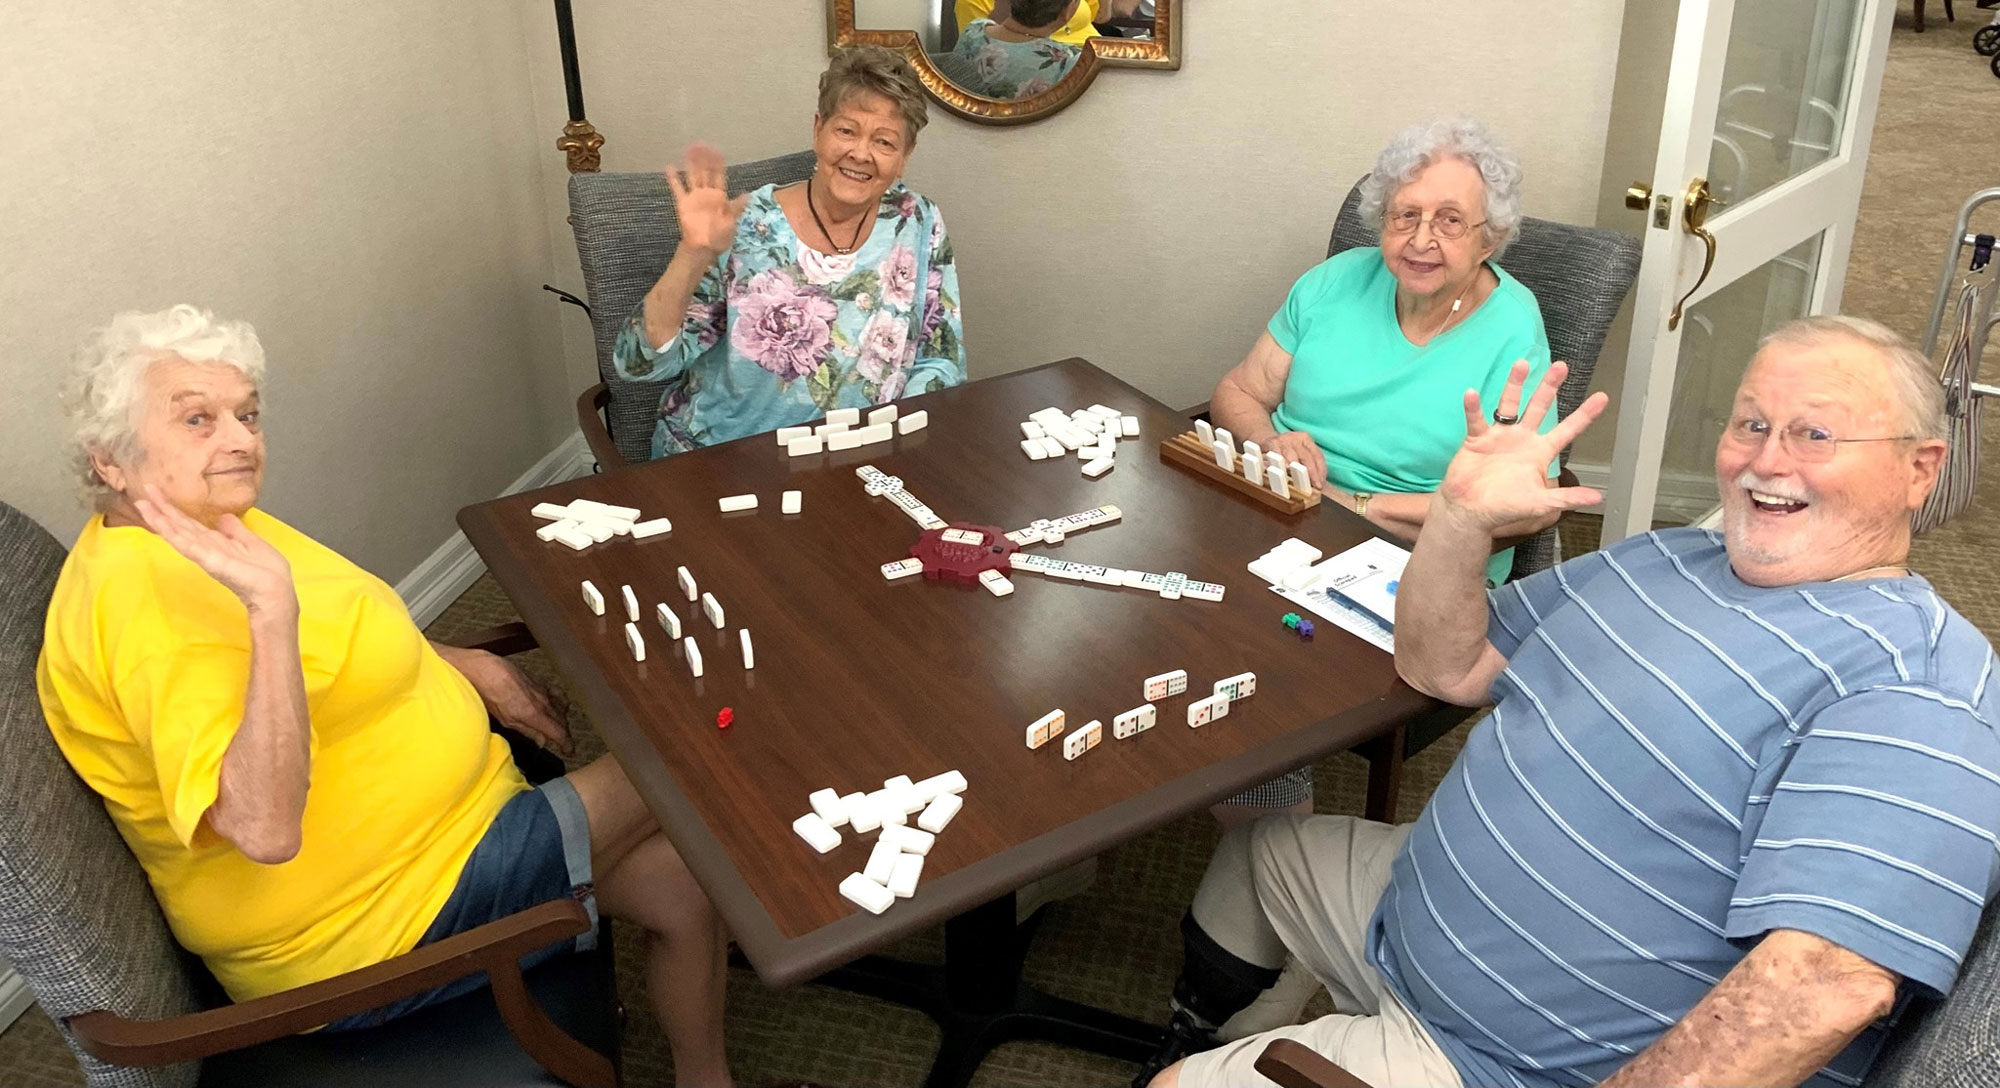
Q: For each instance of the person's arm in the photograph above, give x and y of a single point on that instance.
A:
(1780, 1014)
(1246, 397)
(1402, 514)
(511, 697)
(683, 312)
(940, 361)
(260, 799)
(1497, 479)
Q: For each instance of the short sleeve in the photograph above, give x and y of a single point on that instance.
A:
(184, 708)
(1289, 325)
(1514, 609)
(1880, 835)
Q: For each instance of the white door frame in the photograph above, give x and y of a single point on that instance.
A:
(1822, 200)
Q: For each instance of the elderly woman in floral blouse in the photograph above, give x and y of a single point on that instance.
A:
(783, 303)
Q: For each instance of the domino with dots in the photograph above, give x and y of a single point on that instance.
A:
(1241, 686)
(1205, 710)
(1166, 685)
(1045, 727)
(1135, 721)
(902, 568)
(996, 583)
(1083, 740)
(669, 621)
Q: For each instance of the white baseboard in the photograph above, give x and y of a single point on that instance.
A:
(1682, 497)
(440, 579)
(14, 996)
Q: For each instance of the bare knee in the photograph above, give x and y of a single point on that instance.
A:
(651, 886)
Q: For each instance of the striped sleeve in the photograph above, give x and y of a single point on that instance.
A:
(1880, 835)
(1518, 607)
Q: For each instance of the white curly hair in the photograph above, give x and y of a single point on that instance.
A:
(1418, 146)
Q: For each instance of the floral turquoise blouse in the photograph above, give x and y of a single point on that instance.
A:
(1012, 70)
(777, 332)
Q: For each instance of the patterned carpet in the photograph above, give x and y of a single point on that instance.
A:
(1115, 945)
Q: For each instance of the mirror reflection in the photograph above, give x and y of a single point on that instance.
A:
(1008, 49)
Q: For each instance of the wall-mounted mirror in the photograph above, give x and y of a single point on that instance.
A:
(1008, 61)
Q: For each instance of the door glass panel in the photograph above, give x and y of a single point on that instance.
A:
(1718, 338)
(1784, 92)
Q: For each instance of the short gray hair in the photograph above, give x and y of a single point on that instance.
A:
(1912, 376)
(1419, 146)
(102, 395)
(873, 69)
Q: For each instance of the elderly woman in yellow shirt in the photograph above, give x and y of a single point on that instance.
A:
(1076, 31)
(310, 785)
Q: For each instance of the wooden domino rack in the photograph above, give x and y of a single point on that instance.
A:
(1186, 450)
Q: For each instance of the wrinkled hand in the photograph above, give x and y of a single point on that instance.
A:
(516, 701)
(1299, 446)
(1500, 473)
(701, 199)
(242, 561)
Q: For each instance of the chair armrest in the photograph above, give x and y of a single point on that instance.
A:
(1292, 1064)
(496, 948)
(504, 640)
(1564, 478)
(590, 406)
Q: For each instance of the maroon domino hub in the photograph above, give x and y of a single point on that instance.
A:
(961, 560)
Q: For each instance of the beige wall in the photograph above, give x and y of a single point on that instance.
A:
(1154, 226)
(360, 180)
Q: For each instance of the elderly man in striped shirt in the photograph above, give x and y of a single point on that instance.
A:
(1735, 805)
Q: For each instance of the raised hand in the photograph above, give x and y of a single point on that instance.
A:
(701, 199)
(1500, 474)
(1299, 446)
(242, 561)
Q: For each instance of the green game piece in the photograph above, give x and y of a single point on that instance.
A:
(1291, 619)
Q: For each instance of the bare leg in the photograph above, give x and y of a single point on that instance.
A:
(641, 879)
(1229, 815)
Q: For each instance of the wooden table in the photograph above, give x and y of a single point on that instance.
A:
(858, 679)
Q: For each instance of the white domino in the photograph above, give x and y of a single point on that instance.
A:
(1097, 468)
(909, 840)
(843, 440)
(1205, 431)
(1166, 685)
(592, 599)
(939, 812)
(1241, 686)
(903, 879)
(643, 529)
(875, 432)
(938, 785)
(732, 503)
(669, 621)
(749, 658)
(915, 421)
(631, 603)
(817, 832)
(828, 430)
(693, 656)
(881, 861)
(712, 608)
(687, 583)
(806, 446)
(1135, 721)
(1274, 478)
(844, 416)
(866, 894)
(1128, 426)
(788, 435)
(1253, 467)
(1223, 436)
(887, 809)
(551, 511)
(635, 642)
(1202, 711)
(791, 502)
(1083, 740)
(1043, 728)
(1225, 458)
(996, 583)
(860, 813)
(1053, 447)
(554, 529)
(573, 535)
(884, 414)
(1030, 430)
(903, 794)
(826, 805)
(1301, 479)
(1253, 452)
(1274, 459)
(1029, 446)
(597, 531)
(1203, 591)
(1103, 410)
(902, 568)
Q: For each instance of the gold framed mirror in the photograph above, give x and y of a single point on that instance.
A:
(997, 71)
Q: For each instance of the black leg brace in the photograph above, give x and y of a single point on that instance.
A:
(1215, 984)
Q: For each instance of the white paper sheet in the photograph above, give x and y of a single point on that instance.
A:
(1356, 591)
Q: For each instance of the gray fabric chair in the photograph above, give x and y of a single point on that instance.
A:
(1580, 275)
(79, 923)
(626, 232)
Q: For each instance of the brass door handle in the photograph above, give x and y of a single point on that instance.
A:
(1694, 216)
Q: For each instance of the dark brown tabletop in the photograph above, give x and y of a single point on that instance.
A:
(858, 679)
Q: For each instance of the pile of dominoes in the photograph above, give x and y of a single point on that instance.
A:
(1289, 564)
(1092, 433)
(1265, 468)
(843, 430)
(1140, 718)
(583, 522)
(897, 860)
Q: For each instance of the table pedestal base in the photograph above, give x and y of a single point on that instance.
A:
(979, 1001)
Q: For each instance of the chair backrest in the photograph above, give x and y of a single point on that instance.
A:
(77, 918)
(626, 232)
(1580, 276)
(1954, 1043)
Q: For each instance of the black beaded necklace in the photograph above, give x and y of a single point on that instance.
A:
(821, 224)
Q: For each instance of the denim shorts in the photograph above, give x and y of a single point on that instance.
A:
(537, 849)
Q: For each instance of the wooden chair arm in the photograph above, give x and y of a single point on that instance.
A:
(590, 407)
(505, 640)
(1564, 478)
(496, 948)
(1292, 1064)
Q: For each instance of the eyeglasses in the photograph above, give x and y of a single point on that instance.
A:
(1803, 441)
(1448, 225)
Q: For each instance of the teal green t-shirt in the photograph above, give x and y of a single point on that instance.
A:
(1388, 414)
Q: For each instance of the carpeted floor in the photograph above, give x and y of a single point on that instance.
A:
(1115, 945)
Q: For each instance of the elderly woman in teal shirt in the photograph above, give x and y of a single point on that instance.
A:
(1361, 375)
(785, 302)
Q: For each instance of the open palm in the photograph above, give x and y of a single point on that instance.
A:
(230, 553)
(701, 201)
(1500, 473)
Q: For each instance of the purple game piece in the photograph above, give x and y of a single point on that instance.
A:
(1305, 628)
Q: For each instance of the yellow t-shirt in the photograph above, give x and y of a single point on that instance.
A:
(143, 676)
(1077, 31)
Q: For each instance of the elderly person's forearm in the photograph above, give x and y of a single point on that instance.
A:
(1402, 515)
(667, 303)
(1239, 410)
(1441, 644)
(260, 799)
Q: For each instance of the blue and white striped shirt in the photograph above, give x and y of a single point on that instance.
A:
(1679, 763)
